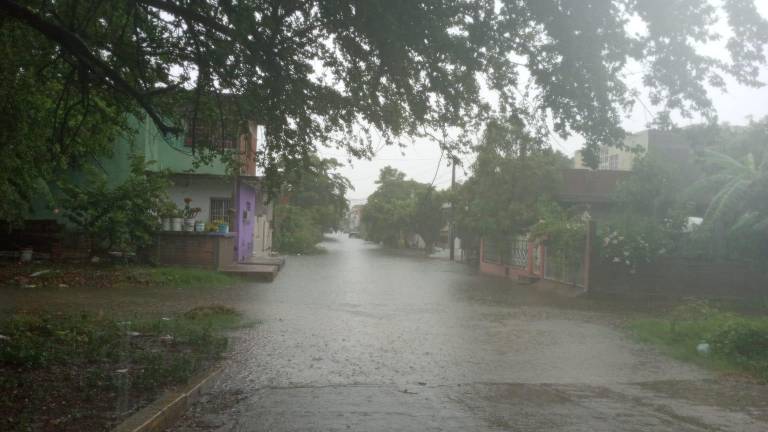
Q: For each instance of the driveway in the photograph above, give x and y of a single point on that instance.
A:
(365, 339)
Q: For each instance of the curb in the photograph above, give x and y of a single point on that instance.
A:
(162, 413)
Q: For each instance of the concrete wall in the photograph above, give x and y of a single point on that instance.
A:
(262, 232)
(677, 277)
(194, 250)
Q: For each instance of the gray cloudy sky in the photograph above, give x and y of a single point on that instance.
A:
(419, 160)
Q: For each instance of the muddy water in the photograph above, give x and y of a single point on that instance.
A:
(361, 338)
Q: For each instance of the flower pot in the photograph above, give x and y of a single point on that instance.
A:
(26, 255)
(176, 224)
(223, 228)
(166, 224)
(189, 224)
(199, 226)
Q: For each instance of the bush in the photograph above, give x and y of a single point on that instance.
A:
(737, 342)
(296, 231)
(122, 218)
(745, 342)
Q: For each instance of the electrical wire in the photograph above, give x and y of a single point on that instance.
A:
(439, 162)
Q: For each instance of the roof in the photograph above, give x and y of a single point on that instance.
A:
(587, 186)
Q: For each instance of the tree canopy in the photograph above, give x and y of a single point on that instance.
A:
(313, 201)
(325, 72)
(400, 207)
(511, 175)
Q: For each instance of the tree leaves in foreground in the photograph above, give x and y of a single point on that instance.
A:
(324, 72)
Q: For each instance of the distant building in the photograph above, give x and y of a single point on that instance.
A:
(670, 146)
(354, 218)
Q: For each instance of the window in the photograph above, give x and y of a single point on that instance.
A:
(220, 209)
(603, 158)
(613, 162)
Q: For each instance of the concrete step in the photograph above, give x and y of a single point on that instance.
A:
(256, 271)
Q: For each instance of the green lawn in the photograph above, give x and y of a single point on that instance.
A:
(738, 343)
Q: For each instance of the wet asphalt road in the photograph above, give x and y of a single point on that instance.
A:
(365, 339)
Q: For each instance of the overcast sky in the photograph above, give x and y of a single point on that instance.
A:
(420, 159)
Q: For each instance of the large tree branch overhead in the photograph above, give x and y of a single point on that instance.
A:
(74, 45)
(314, 71)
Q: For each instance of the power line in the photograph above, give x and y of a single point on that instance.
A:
(439, 162)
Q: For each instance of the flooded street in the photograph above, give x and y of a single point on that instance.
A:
(361, 338)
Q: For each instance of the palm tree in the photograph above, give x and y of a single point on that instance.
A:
(739, 189)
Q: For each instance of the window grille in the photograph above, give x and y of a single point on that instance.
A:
(220, 209)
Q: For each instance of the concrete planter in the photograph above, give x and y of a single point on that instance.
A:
(26, 254)
(189, 224)
(166, 224)
(176, 224)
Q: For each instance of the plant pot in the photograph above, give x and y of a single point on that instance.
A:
(199, 226)
(166, 224)
(189, 224)
(223, 228)
(26, 255)
(176, 224)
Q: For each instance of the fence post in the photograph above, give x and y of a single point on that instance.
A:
(482, 251)
(588, 250)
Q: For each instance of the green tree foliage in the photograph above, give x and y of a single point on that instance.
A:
(649, 190)
(121, 218)
(511, 174)
(400, 207)
(314, 201)
(316, 71)
(297, 232)
(46, 124)
(736, 218)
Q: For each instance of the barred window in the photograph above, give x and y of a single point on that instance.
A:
(613, 162)
(220, 209)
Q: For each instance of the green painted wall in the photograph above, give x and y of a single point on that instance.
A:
(167, 153)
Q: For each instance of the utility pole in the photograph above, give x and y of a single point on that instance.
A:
(451, 224)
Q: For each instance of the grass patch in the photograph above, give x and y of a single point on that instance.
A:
(180, 277)
(67, 372)
(65, 275)
(737, 343)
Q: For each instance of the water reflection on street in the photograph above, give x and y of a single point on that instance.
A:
(364, 338)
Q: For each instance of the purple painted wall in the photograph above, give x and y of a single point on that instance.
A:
(246, 206)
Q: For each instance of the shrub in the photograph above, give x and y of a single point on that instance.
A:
(121, 218)
(296, 231)
(745, 342)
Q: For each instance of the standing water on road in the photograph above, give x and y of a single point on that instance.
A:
(365, 338)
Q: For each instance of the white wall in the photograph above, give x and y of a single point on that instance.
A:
(201, 190)
(626, 158)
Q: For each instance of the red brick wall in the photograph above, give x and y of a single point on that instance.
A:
(194, 250)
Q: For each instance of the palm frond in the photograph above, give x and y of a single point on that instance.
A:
(708, 184)
(726, 163)
(728, 200)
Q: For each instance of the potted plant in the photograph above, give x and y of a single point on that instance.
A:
(199, 226)
(167, 212)
(222, 226)
(177, 220)
(189, 214)
(26, 254)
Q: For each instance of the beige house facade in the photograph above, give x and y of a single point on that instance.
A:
(619, 159)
